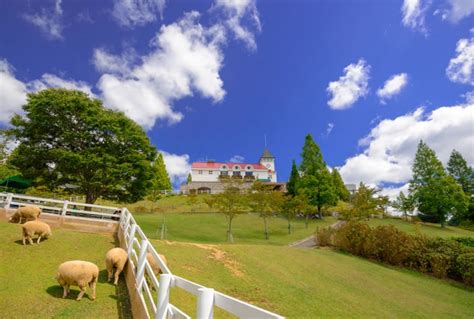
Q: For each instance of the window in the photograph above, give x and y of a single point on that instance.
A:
(224, 167)
(270, 176)
(248, 174)
(236, 167)
(210, 172)
(236, 174)
(200, 172)
(249, 167)
(224, 173)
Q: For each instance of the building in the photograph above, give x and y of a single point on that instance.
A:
(206, 177)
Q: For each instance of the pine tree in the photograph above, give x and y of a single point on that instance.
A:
(404, 204)
(312, 158)
(435, 195)
(292, 184)
(464, 176)
(189, 179)
(341, 190)
(161, 181)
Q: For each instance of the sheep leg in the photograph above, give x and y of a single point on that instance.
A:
(110, 271)
(117, 274)
(83, 290)
(39, 238)
(92, 286)
(30, 240)
(65, 290)
(24, 240)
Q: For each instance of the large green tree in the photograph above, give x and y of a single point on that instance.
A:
(464, 176)
(404, 204)
(292, 184)
(341, 190)
(436, 195)
(67, 137)
(364, 202)
(6, 170)
(161, 180)
(316, 181)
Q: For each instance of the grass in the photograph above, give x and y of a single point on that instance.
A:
(212, 228)
(309, 283)
(28, 288)
(428, 229)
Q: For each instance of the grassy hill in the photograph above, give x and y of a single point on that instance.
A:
(309, 283)
(28, 288)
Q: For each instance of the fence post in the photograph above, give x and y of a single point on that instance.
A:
(64, 210)
(8, 200)
(130, 239)
(205, 303)
(163, 299)
(141, 263)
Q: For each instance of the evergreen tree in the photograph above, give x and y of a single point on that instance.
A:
(404, 204)
(464, 176)
(189, 180)
(316, 182)
(364, 202)
(161, 181)
(435, 195)
(340, 188)
(292, 184)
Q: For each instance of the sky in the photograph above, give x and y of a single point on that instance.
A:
(215, 79)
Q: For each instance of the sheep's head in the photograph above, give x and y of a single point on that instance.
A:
(49, 234)
(14, 219)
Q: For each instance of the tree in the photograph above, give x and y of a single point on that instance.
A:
(364, 203)
(6, 170)
(340, 188)
(161, 182)
(404, 204)
(231, 202)
(292, 184)
(67, 137)
(291, 206)
(436, 195)
(316, 181)
(464, 176)
(382, 204)
(189, 179)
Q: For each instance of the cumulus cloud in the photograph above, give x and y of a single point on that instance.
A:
(242, 19)
(49, 21)
(350, 87)
(131, 13)
(12, 92)
(390, 146)
(461, 67)
(177, 166)
(458, 10)
(413, 12)
(237, 159)
(185, 58)
(392, 86)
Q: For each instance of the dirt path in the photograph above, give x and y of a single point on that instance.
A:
(309, 241)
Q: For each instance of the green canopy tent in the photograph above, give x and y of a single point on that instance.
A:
(15, 182)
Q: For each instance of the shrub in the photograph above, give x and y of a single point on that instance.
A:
(353, 238)
(466, 241)
(388, 244)
(465, 267)
(440, 264)
(324, 236)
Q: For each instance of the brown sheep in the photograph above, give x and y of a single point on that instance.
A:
(29, 212)
(78, 273)
(115, 258)
(35, 227)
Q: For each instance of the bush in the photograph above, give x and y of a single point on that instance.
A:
(465, 267)
(466, 241)
(353, 238)
(388, 244)
(440, 264)
(324, 236)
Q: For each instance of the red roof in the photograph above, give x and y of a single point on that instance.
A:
(230, 166)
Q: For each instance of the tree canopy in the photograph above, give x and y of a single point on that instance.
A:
(67, 137)
(339, 187)
(292, 185)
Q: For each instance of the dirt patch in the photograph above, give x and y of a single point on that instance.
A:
(218, 255)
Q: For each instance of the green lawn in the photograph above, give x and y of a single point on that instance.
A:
(433, 230)
(309, 283)
(212, 228)
(28, 288)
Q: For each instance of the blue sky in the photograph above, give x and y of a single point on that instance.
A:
(208, 79)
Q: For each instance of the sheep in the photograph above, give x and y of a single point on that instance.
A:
(155, 266)
(35, 227)
(29, 212)
(78, 273)
(115, 258)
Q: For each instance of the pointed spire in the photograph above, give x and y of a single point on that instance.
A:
(267, 154)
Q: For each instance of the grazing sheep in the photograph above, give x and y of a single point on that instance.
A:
(78, 273)
(35, 227)
(155, 266)
(115, 258)
(29, 212)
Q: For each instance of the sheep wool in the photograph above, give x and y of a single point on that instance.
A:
(116, 258)
(29, 212)
(35, 227)
(78, 273)
(154, 266)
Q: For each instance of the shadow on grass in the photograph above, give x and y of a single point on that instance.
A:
(57, 292)
(27, 243)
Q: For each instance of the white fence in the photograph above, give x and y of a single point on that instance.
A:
(156, 303)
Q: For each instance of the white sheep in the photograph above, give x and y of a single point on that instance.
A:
(115, 258)
(35, 227)
(29, 212)
(155, 267)
(78, 273)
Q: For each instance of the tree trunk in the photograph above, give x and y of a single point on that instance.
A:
(306, 220)
(319, 213)
(230, 236)
(90, 199)
(266, 228)
(289, 226)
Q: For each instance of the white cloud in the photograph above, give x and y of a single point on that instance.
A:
(49, 21)
(469, 96)
(239, 14)
(414, 12)
(392, 192)
(177, 166)
(237, 159)
(461, 67)
(391, 145)
(12, 93)
(52, 81)
(108, 63)
(392, 86)
(458, 10)
(350, 87)
(130, 13)
(329, 128)
(185, 58)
